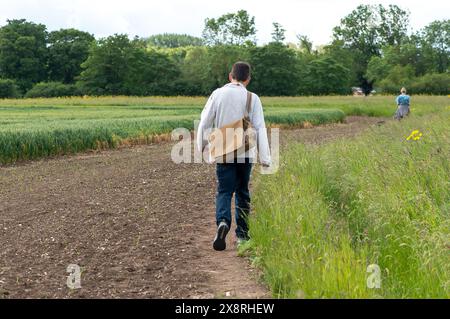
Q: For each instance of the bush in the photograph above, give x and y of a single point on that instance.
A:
(437, 83)
(433, 83)
(398, 77)
(53, 89)
(8, 89)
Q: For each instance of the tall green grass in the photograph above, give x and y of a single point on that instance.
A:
(334, 209)
(31, 132)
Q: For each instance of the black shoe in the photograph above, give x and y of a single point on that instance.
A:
(222, 232)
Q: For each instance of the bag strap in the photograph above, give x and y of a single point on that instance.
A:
(248, 107)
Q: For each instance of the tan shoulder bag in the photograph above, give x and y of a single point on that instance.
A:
(237, 137)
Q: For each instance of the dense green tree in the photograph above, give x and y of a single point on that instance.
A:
(275, 70)
(23, 52)
(435, 42)
(204, 69)
(366, 30)
(407, 54)
(221, 59)
(391, 24)
(323, 76)
(398, 76)
(108, 67)
(119, 66)
(230, 29)
(151, 73)
(377, 69)
(67, 50)
(195, 79)
(349, 58)
(173, 40)
(422, 53)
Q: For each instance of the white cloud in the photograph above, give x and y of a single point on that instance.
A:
(314, 18)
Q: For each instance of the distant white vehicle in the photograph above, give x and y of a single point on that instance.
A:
(357, 91)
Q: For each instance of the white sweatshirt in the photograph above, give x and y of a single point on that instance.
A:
(227, 105)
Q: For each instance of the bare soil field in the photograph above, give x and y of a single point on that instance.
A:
(138, 225)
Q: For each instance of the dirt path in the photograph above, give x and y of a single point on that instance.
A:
(139, 225)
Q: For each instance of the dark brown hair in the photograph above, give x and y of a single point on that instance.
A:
(241, 71)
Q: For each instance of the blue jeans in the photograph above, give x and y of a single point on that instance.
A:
(234, 178)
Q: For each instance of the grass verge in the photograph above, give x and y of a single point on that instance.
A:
(335, 209)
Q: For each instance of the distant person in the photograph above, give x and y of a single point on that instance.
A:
(403, 105)
(228, 105)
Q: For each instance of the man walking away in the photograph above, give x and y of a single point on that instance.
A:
(227, 105)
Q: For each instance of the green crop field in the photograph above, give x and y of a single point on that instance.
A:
(35, 128)
(337, 208)
(31, 129)
(371, 106)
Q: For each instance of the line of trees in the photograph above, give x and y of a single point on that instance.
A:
(371, 49)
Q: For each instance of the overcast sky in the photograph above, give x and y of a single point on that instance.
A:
(314, 18)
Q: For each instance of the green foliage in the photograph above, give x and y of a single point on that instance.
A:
(67, 50)
(194, 73)
(369, 27)
(108, 66)
(220, 61)
(335, 209)
(152, 74)
(415, 63)
(279, 33)
(118, 66)
(173, 40)
(437, 83)
(436, 43)
(366, 30)
(204, 69)
(324, 76)
(370, 49)
(402, 76)
(8, 89)
(275, 70)
(52, 89)
(231, 28)
(398, 77)
(377, 69)
(23, 52)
